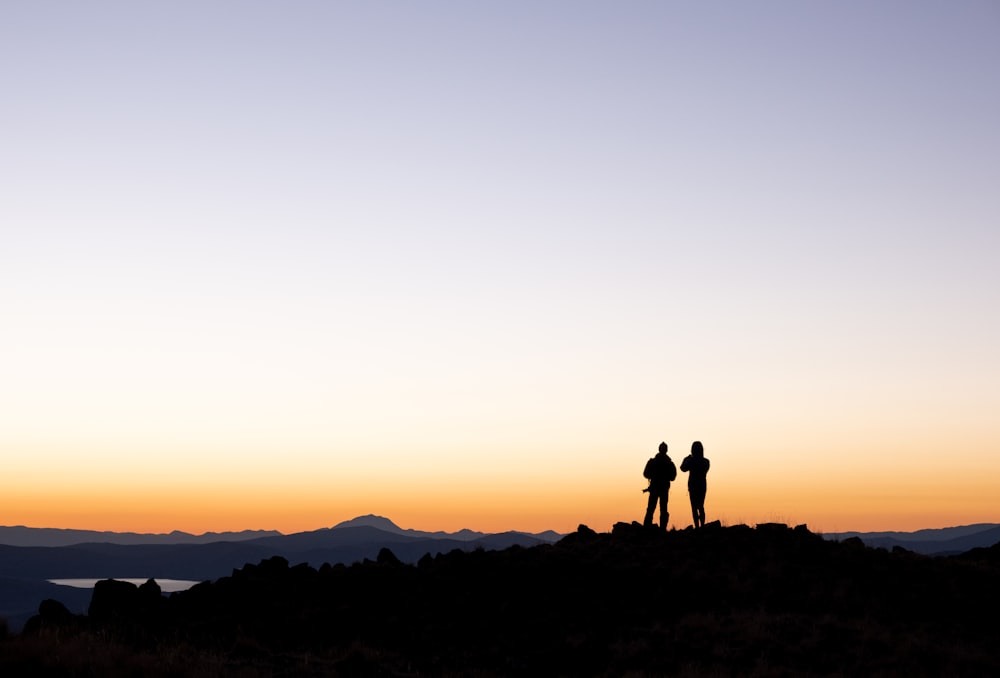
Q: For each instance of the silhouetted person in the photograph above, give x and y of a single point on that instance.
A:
(696, 466)
(660, 470)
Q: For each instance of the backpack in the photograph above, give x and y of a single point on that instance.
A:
(650, 470)
(671, 470)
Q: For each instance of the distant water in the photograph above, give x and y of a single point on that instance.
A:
(166, 585)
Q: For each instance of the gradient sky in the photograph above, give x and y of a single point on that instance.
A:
(278, 264)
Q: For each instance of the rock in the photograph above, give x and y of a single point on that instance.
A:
(150, 590)
(51, 615)
(112, 600)
(620, 528)
(54, 612)
(854, 543)
(387, 557)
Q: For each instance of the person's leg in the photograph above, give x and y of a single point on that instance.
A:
(664, 515)
(650, 508)
(698, 502)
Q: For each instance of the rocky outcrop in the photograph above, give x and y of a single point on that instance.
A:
(52, 616)
(115, 601)
(772, 600)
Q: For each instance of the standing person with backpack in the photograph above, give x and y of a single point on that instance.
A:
(660, 471)
(696, 466)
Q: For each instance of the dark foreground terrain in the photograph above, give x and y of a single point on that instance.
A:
(769, 601)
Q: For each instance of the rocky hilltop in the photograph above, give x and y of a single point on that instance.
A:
(764, 601)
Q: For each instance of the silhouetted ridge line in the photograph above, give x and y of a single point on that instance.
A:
(943, 541)
(718, 600)
(20, 535)
(35, 536)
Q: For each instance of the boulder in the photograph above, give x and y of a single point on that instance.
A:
(113, 599)
(51, 615)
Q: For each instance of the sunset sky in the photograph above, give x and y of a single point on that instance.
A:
(465, 264)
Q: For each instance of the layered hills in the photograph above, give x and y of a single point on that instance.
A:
(25, 570)
(942, 541)
(19, 535)
(764, 601)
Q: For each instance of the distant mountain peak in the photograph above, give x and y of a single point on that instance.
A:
(466, 535)
(371, 520)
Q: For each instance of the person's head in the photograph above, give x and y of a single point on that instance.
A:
(663, 448)
(697, 450)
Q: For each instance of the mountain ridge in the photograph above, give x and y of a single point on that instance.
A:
(928, 541)
(19, 535)
(346, 543)
(931, 541)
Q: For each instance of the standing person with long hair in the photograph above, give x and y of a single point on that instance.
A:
(696, 466)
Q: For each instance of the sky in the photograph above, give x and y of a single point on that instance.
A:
(273, 265)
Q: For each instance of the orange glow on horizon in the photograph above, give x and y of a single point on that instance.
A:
(837, 486)
(533, 508)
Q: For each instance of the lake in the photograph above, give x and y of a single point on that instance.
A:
(166, 585)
